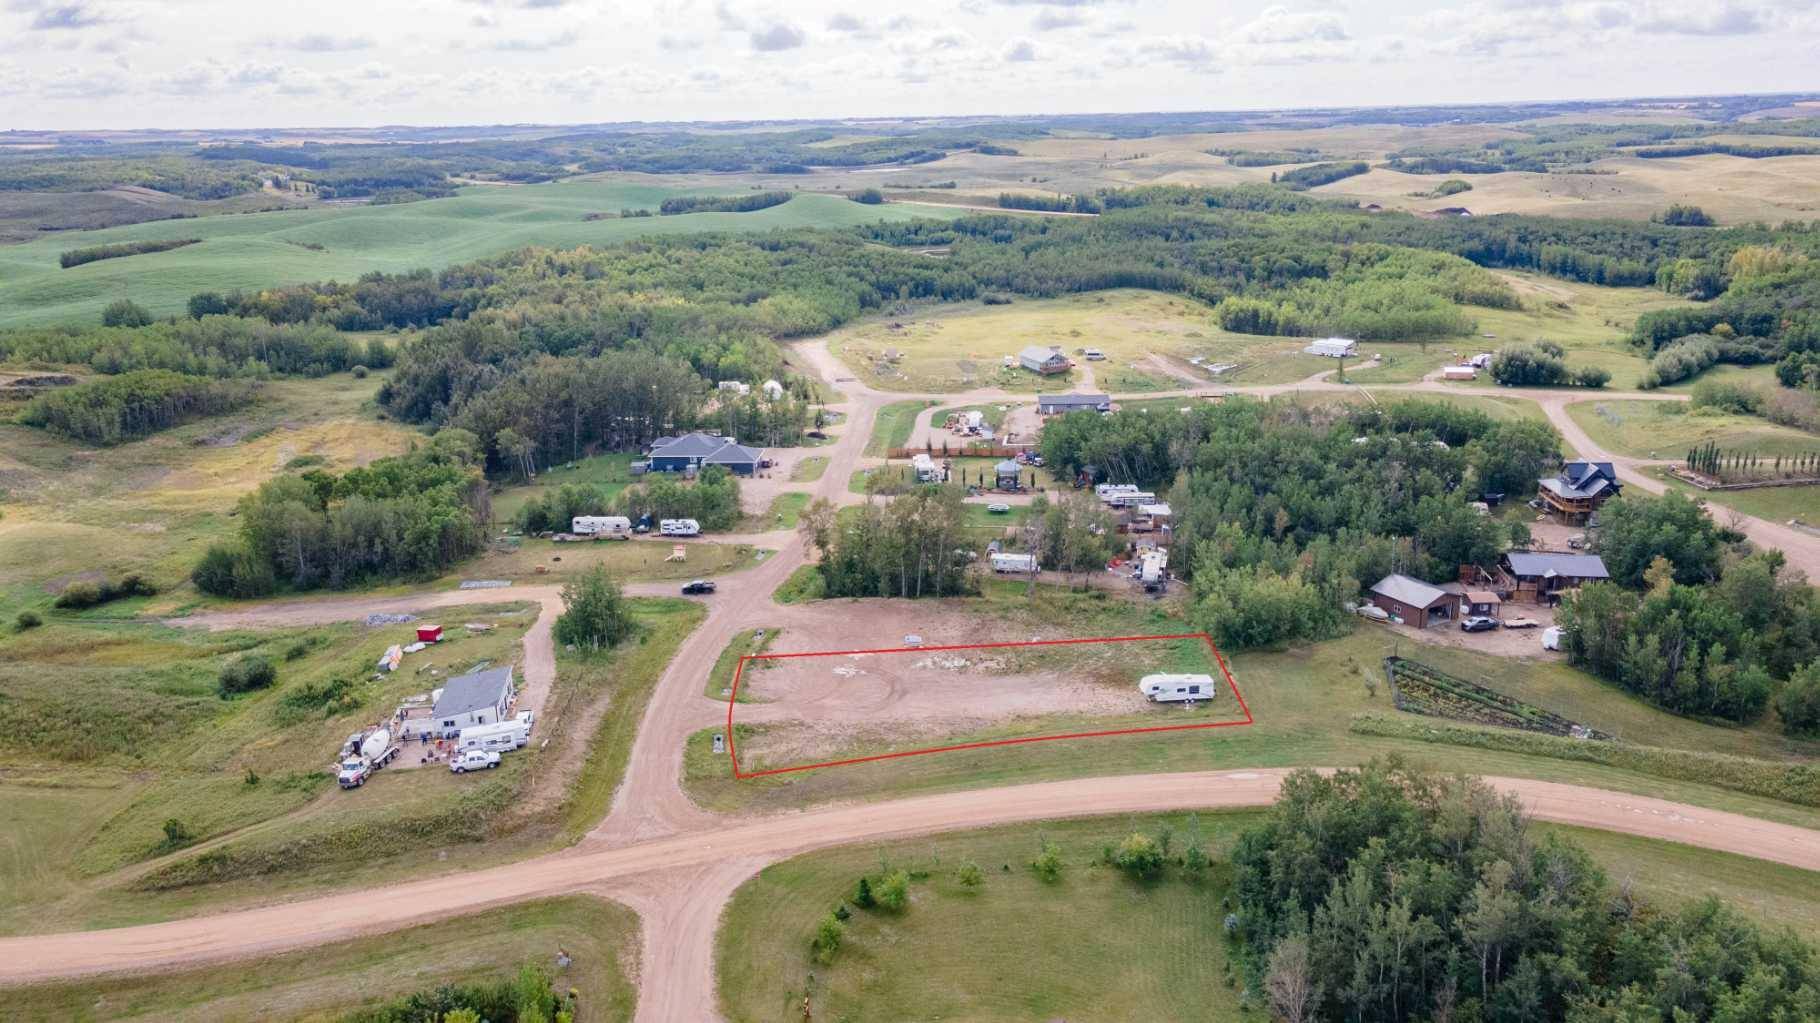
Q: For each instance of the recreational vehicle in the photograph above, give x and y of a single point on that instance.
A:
(1025, 563)
(679, 527)
(608, 527)
(500, 737)
(1172, 688)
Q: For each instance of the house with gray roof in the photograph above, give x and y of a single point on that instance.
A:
(1579, 489)
(1540, 577)
(477, 698)
(1056, 404)
(1413, 601)
(691, 451)
(1044, 361)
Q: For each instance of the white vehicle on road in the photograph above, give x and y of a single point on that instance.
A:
(473, 760)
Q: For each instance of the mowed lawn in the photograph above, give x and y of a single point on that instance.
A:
(1669, 430)
(326, 982)
(259, 250)
(1095, 945)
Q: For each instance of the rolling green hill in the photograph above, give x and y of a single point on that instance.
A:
(256, 250)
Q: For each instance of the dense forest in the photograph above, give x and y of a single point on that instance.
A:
(1385, 895)
(213, 346)
(912, 546)
(132, 405)
(406, 516)
(1289, 511)
(1685, 624)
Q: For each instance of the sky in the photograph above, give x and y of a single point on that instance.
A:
(93, 64)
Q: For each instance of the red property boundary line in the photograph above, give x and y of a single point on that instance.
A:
(740, 668)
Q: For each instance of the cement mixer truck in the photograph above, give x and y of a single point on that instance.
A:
(362, 754)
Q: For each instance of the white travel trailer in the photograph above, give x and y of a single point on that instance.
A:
(679, 527)
(611, 527)
(1172, 688)
(1025, 563)
(926, 469)
(1105, 491)
(500, 737)
(1130, 499)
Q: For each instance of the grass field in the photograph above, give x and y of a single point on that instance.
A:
(958, 346)
(1091, 946)
(1094, 945)
(606, 473)
(627, 560)
(83, 836)
(324, 982)
(786, 511)
(1668, 430)
(151, 506)
(253, 251)
(1777, 504)
(1303, 700)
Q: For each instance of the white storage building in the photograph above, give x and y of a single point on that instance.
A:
(1333, 348)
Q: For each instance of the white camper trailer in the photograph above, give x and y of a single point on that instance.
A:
(500, 737)
(608, 527)
(1025, 563)
(926, 469)
(1106, 491)
(1171, 688)
(679, 527)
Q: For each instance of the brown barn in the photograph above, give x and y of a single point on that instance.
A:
(1414, 601)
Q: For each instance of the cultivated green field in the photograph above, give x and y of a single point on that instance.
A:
(324, 982)
(1017, 948)
(257, 250)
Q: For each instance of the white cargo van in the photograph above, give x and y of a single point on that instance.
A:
(1025, 563)
(500, 737)
(679, 527)
(1169, 688)
(611, 527)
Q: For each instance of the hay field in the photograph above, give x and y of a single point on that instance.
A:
(258, 250)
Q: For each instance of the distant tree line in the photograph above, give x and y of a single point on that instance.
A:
(723, 203)
(1079, 203)
(214, 346)
(409, 515)
(96, 253)
(1265, 157)
(132, 405)
(1319, 174)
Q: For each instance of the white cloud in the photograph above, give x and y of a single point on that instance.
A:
(779, 35)
(1019, 51)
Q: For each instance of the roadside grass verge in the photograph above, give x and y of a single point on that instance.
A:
(1774, 779)
(747, 643)
(803, 585)
(891, 428)
(810, 469)
(631, 673)
(329, 981)
(787, 510)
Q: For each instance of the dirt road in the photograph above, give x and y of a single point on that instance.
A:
(679, 977)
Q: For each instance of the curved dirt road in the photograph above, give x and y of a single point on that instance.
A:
(686, 991)
(677, 864)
